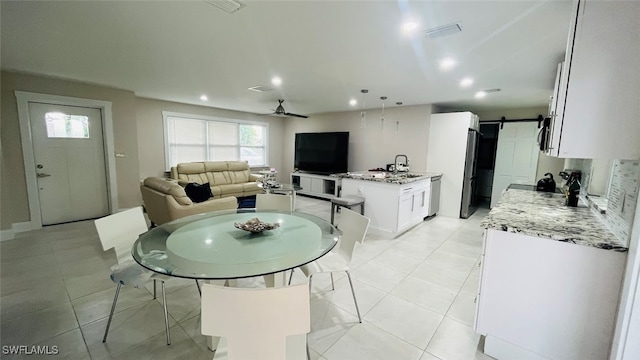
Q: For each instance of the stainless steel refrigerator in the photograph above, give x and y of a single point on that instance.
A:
(469, 182)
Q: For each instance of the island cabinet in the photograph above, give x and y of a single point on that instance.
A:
(541, 298)
(393, 208)
(595, 107)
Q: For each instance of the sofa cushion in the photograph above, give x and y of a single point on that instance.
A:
(251, 187)
(239, 176)
(218, 177)
(215, 166)
(168, 187)
(237, 165)
(231, 189)
(198, 193)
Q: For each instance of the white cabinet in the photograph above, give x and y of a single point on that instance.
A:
(597, 107)
(545, 299)
(413, 204)
(392, 208)
(317, 185)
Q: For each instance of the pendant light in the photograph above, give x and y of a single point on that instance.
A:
(397, 121)
(383, 98)
(363, 113)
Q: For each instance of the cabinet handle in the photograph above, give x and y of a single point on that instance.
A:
(413, 199)
(424, 195)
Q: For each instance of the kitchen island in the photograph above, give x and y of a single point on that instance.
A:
(393, 202)
(550, 280)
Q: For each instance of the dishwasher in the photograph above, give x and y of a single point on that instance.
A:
(434, 198)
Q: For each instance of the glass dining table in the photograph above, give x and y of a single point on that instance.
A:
(208, 246)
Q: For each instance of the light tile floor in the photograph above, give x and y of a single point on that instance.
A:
(416, 295)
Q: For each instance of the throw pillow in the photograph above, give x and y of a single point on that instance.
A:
(198, 193)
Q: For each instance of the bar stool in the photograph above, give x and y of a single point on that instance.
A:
(348, 201)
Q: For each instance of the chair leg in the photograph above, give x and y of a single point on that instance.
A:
(198, 285)
(333, 287)
(354, 296)
(166, 315)
(113, 307)
(333, 209)
(154, 289)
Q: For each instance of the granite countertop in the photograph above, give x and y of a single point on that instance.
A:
(545, 215)
(387, 177)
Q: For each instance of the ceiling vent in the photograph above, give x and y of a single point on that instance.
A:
(491, 90)
(260, 88)
(444, 30)
(229, 6)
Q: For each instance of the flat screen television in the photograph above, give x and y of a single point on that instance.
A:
(322, 153)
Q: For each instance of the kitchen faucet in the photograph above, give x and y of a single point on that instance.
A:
(395, 162)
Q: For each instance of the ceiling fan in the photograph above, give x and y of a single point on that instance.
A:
(279, 111)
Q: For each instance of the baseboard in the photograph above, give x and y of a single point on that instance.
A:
(10, 234)
(7, 235)
(503, 350)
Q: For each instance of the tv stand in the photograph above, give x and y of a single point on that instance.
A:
(322, 186)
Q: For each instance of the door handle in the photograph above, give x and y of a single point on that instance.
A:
(41, 175)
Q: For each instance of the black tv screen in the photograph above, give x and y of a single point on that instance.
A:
(322, 153)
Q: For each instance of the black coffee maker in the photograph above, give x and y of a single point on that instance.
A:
(546, 184)
(572, 187)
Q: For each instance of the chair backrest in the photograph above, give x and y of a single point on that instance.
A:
(273, 202)
(354, 228)
(255, 321)
(120, 230)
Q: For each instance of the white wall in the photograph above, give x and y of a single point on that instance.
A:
(369, 147)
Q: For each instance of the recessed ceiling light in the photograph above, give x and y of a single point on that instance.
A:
(466, 82)
(204, 97)
(481, 94)
(353, 102)
(447, 64)
(276, 81)
(409, 27)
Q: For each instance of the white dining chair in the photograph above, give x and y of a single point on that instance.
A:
(354, 228)
(257, 323)
(273, 202)
(119, 231)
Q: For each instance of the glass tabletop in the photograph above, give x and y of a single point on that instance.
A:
(209, 246)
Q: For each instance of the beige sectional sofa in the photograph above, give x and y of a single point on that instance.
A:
(226, 178)
(165, 200)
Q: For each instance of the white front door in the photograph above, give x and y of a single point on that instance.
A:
(516, 157)
(70, 162)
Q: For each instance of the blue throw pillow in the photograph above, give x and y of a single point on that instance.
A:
(198, 193)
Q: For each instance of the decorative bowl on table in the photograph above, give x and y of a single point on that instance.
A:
(256, 226)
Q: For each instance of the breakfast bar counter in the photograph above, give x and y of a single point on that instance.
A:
(393, 202)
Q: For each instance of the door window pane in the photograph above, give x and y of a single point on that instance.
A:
(60, 125)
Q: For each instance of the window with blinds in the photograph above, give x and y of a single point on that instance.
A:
(198, 138)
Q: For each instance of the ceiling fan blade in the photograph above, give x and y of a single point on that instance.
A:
(297, 115)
